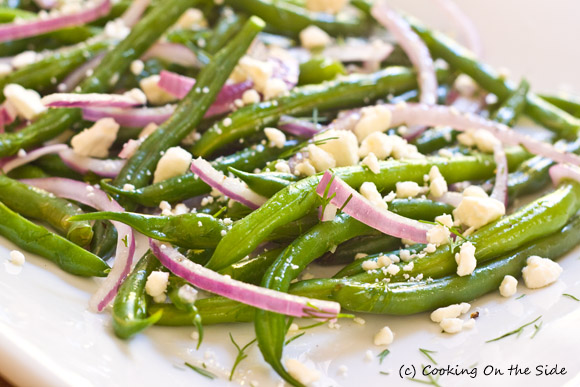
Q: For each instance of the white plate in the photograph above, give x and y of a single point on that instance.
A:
(47, 338)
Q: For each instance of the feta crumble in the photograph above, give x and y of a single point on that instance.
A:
(175, 162)
(384, 337)
(465, 259)
(509, 286)
(540, 272)
(96, 140)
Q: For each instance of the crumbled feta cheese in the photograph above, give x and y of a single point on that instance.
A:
(370, 192)
(128, 187)
(540, 272)
(24, 59)
(275, 87)
(477, 211)
(465, 259)
(328, 6)
(155, 94)
(393, 269)
(5, 69)
(257, 71)
(359, 321)
(390, 197)
(329, 212)
(450, 311)
(321, 160)
(469, 323)
(373, 119)
(17, 258)
(293, 328)
(156, 284)
(409, 266)
(369, 265)
(301, 373)
(282, 166)
(445, 220)
(369, 355)
(378, 143)
(451, 325)
(431, 248)
(314, 37)
(343, 370)
(195, 335)
(360, 255)
(405, 255)
(192, 19)
(475, 190)
(180, 209)
(305, 168)
(465, 85)
(187, 293)
(384, 337)
(137, 67)
(407, 189)
(276, 137)
(484, 140)
(250, 96)
(137, 95)
(26, 101)
(343, 148)
(383, 261)
(509, 286)
(372, 162)
(116, 29)
(438, 235)
(437, 185)
(175, 162)
(96, 140)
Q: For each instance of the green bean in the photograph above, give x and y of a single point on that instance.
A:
(434, 139)
(300, 198)
(190, 110)
(462, 59)
(189, 185)
(267, 183)
(45, 73)
(53, 122)
(213, 310)
(38, 240)
(253, 269)
(422, 296)
(366, 244)
(53, 165)
(289, 19)
(226, 28)
(27, 172)
(567, 102)
(192, 230)
(131, 303)
(513, 106)
(538, 219)
(38, 204)
(318, 70)
(350, 91)
(104, 243)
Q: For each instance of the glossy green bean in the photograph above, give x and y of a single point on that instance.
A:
(513, 106)
(266, 183)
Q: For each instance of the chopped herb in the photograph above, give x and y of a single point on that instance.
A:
(240, 356)
(537, 329)
(427, 354)
(125, 241)
(313, 325)
(383, 355)
(517, 331)
(431, 380)
(294, 338)
(201, 371)
(292, 151)
(522, 296)
(325, 199)
(383, 373)
(571, 296)
(220, 212)
(345, 203)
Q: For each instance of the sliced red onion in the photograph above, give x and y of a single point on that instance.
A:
(465, 25)
(91, 100)
(437, 115)
(285, 67)
(256, 296)
(131, 117)
(28, 28)
(83, 164)
(132, 15)
(175, 84)
(451, 198)
(76, 77)
(298, 127)
(231, 187)
(16, 162)
(560, 172)
(173, 53)
(364, 211)
(413, 46)
(179, 85)
(359, 51)
(500, 188)
(98, 199)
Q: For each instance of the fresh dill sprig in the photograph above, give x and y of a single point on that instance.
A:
(125, 241)
(294, 338)
(571, 296)
(383, 355)
(241, 354)
(427, 354)
(295, 149)
(522, 296)
(537, 328)
(517, 331)
(201, 371)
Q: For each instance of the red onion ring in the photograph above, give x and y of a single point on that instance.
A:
(298, 127)
(132, 15)
(231, 187)
(16, 162)
(75, 78)
(500, 188)
(82, 164)
(465, 25)
(93, 100)
(364, 211)
(172, 53)
(256, 296)
(98, 199)
(28, 28)
(560, 172)
(131, 117)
